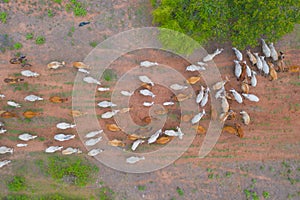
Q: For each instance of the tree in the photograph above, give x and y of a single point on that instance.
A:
(241, 22)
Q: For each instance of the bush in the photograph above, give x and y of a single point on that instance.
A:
(40, 40)
(17, 184)
(73, 170)
(3, 17)
(18, 45)
(241, 22)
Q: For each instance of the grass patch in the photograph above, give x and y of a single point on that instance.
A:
(180, 191)
(40, 40)
(72, 30)
(57, 1)
(106, 193)
(50, 13)
(13, 138)
(72, 170)
(21, 87)
(18, 46)
(228, 174)
(295, 83)
(55, 196)
(93, 44)
(5, 1)
(78, 8)
(141, 187)
(3, 17)
(266, 195)
(18, 183)
(109, 75)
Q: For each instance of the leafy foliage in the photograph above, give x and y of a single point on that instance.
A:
(242, 22)
(18, 45)
(76, 167)
(78, 8)
(40, 40)
(3, 17)
(57, 1)
(50, 13)
(109, 75)
(17, 184)
(29, 36)
(55, 196)
(106, 193)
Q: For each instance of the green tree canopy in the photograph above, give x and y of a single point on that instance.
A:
(241, 22)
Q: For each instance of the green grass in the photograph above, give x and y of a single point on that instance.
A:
(18, 46)
(228, 174)
(21, 87)
(295, 83)
(3, 17)
(180, 191)
(78, 8)
(13, 138)
(40, 40)
(141, 187)
(50, 13)
(93, 44)
(109, 75)
(54, 196)
(105, 193)
(211, 176)
(75, 167)
(18, 183)
(5, 1)
(72, 30)
(29, 36)
(57, 1)
(266, 195)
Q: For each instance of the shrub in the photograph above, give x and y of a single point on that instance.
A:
(18, 45)
(17, 184)
(40, 40)
(3, 17)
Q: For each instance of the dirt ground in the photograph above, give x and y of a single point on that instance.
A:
(271, 138)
